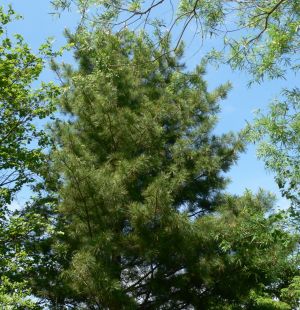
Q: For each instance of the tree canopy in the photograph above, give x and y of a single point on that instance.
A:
(148, 225)
(261, 37)
(258, 37)
(130, 209)
(21, 157)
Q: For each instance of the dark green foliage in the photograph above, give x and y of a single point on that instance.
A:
(147, 225)
(260, 37)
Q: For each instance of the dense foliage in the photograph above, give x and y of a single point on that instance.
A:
(142, 179)
(130, 211)
(258, 37)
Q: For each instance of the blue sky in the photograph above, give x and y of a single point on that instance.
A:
(238, 108)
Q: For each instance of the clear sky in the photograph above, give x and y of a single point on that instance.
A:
(238, 108)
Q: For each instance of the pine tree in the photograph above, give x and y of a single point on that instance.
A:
(142, 174)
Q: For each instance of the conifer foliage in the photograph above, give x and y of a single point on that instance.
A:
(142, 176)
